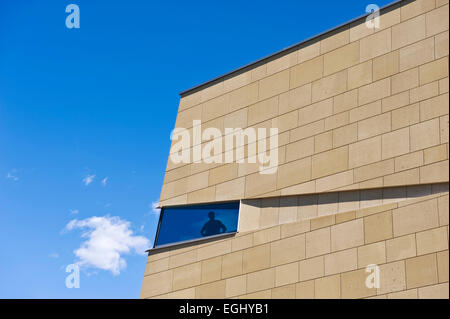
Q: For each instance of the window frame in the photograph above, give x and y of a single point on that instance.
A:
(161, 216)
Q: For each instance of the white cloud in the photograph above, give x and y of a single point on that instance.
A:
(155, 209)
(54, 255)
(11, 176)
(107, 240)
(88, 179)
(104, 181)
(74, 211)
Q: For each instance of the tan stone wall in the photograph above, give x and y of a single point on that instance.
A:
(363, 169)
(267, 212)
(324, 257)
(355, 109)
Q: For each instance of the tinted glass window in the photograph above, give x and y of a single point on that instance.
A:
(194, 222)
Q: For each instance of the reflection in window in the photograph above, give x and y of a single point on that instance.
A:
(179, 224)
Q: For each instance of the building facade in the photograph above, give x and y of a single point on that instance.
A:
(352, 183)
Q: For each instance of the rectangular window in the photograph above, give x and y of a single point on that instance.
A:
(188, 223)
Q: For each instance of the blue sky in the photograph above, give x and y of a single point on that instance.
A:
(101, 100)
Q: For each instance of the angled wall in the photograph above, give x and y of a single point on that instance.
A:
(355, 109)
(324, 257)
(363, 123)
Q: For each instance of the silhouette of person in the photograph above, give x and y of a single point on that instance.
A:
(213, 226)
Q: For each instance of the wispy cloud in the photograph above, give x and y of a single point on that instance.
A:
(74, 211)
(107, 239)
(155, 209)
(54, 255)
(88, 179)
(10, 175)
(105, 181)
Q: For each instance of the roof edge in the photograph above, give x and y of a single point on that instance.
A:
(281, 52)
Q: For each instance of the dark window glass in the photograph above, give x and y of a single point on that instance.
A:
(180, 224)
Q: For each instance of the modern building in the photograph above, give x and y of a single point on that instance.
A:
(346, 196)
